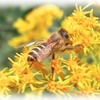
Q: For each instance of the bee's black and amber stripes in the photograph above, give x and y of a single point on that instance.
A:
(33, 54)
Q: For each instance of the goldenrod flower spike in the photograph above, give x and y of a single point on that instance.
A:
(36, 24)
(82, 28)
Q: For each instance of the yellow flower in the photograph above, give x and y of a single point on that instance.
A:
(96, 72)
(76, 69)
(22, 24)
(36, 24)
(59, 87)
(5, 82)
(82, 28)
(88, 87)
(23, 75)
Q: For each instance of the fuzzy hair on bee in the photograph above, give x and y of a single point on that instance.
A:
(56, 42)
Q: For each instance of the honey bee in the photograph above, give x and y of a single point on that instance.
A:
(58, 41)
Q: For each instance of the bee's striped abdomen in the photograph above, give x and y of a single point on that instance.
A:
(33, 54)
(41, 52)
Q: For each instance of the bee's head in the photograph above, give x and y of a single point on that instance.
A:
(63, 33)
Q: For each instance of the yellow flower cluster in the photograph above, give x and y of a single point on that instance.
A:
(35, 24)
(72, 76)
(22, 77)
(82, 28)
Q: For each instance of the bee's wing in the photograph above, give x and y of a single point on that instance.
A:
(35, 43)
(46, 52)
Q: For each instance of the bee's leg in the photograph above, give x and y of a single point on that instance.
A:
(52, 68)
(72, 47)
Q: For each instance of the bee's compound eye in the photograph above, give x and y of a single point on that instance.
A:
(65, 35)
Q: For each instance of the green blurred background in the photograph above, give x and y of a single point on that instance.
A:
(9, 14)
